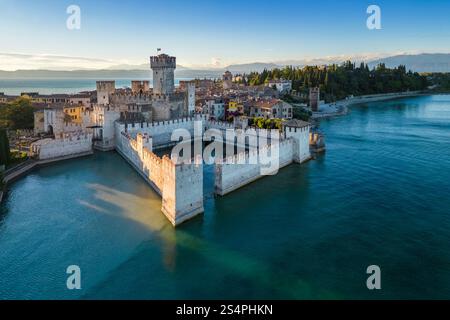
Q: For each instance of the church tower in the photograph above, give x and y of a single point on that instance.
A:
(163, 67)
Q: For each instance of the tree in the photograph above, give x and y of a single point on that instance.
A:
(18, 114)
(4, 148)
(337, 82)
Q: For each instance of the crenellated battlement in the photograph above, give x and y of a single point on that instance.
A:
(181, 183)
(138, 86)
(73, 136)
(106, 85)
(163, 61)
(65, 144)
(71, 126)
(131, 97)
(166, 123)
(181, 186)
(251, 157)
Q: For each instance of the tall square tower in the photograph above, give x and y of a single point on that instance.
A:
(163, 67)
(314, 99)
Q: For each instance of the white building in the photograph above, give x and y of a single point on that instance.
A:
(215, 108)
(283, 86)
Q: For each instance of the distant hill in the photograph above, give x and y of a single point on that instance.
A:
(438, 62)
(103, 74)
(144, 66)
(250, 67)
(427, 62)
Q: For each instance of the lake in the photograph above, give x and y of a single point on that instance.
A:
(379, 196)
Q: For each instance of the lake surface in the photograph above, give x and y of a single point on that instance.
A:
(56, 86)
(379, 196)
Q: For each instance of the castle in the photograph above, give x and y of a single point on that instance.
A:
(141, 104)
(136, 122)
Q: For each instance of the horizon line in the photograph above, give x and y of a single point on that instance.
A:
(110, 65)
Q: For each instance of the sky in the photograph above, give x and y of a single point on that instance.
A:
(214, 33)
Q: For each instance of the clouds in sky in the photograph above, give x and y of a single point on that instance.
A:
(21, 61)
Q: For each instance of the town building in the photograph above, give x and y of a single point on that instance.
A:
(282, 86)
(5, 98)
(215, 108)
(270, 109)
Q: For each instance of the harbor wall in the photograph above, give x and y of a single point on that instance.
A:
(161, 131)
(69, 144)
(180, 185)
(244, 168)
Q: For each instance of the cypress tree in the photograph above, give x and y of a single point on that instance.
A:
(4, 148)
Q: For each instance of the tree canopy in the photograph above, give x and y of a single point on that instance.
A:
(4, 148)
(336, 82)
(264, 123)
(18, 114)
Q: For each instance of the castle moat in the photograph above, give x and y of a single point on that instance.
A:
(380, 195)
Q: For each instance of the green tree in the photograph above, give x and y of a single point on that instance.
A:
(339, 81)
(4, 148)
(18, 114)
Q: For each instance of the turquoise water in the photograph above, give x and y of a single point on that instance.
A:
(380, 195)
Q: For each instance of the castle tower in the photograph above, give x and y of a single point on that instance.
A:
(190, 97)
(182, 190)
(140, 86)
(314, 99)
(104, 117)
(163, 67)
(104, 89)
(227, 80)
(298, 131)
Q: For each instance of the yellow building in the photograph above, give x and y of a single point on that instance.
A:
(232, 106)
(74, 112)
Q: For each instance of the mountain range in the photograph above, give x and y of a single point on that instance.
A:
(437, 62)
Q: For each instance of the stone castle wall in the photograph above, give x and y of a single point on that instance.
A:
(69, 144)
(246, 167)
(160, 131)
(180, 186)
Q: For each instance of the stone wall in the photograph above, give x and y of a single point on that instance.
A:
(70, 144)
(182, 197)
(160, 131)
(301, 145)
(244, 168)
(180, 185)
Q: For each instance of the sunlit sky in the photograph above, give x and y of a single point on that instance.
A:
(213, 33)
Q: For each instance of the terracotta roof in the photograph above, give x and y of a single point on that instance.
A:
(266, 104)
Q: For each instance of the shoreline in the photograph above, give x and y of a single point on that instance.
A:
(340, 108)
(381, 97)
